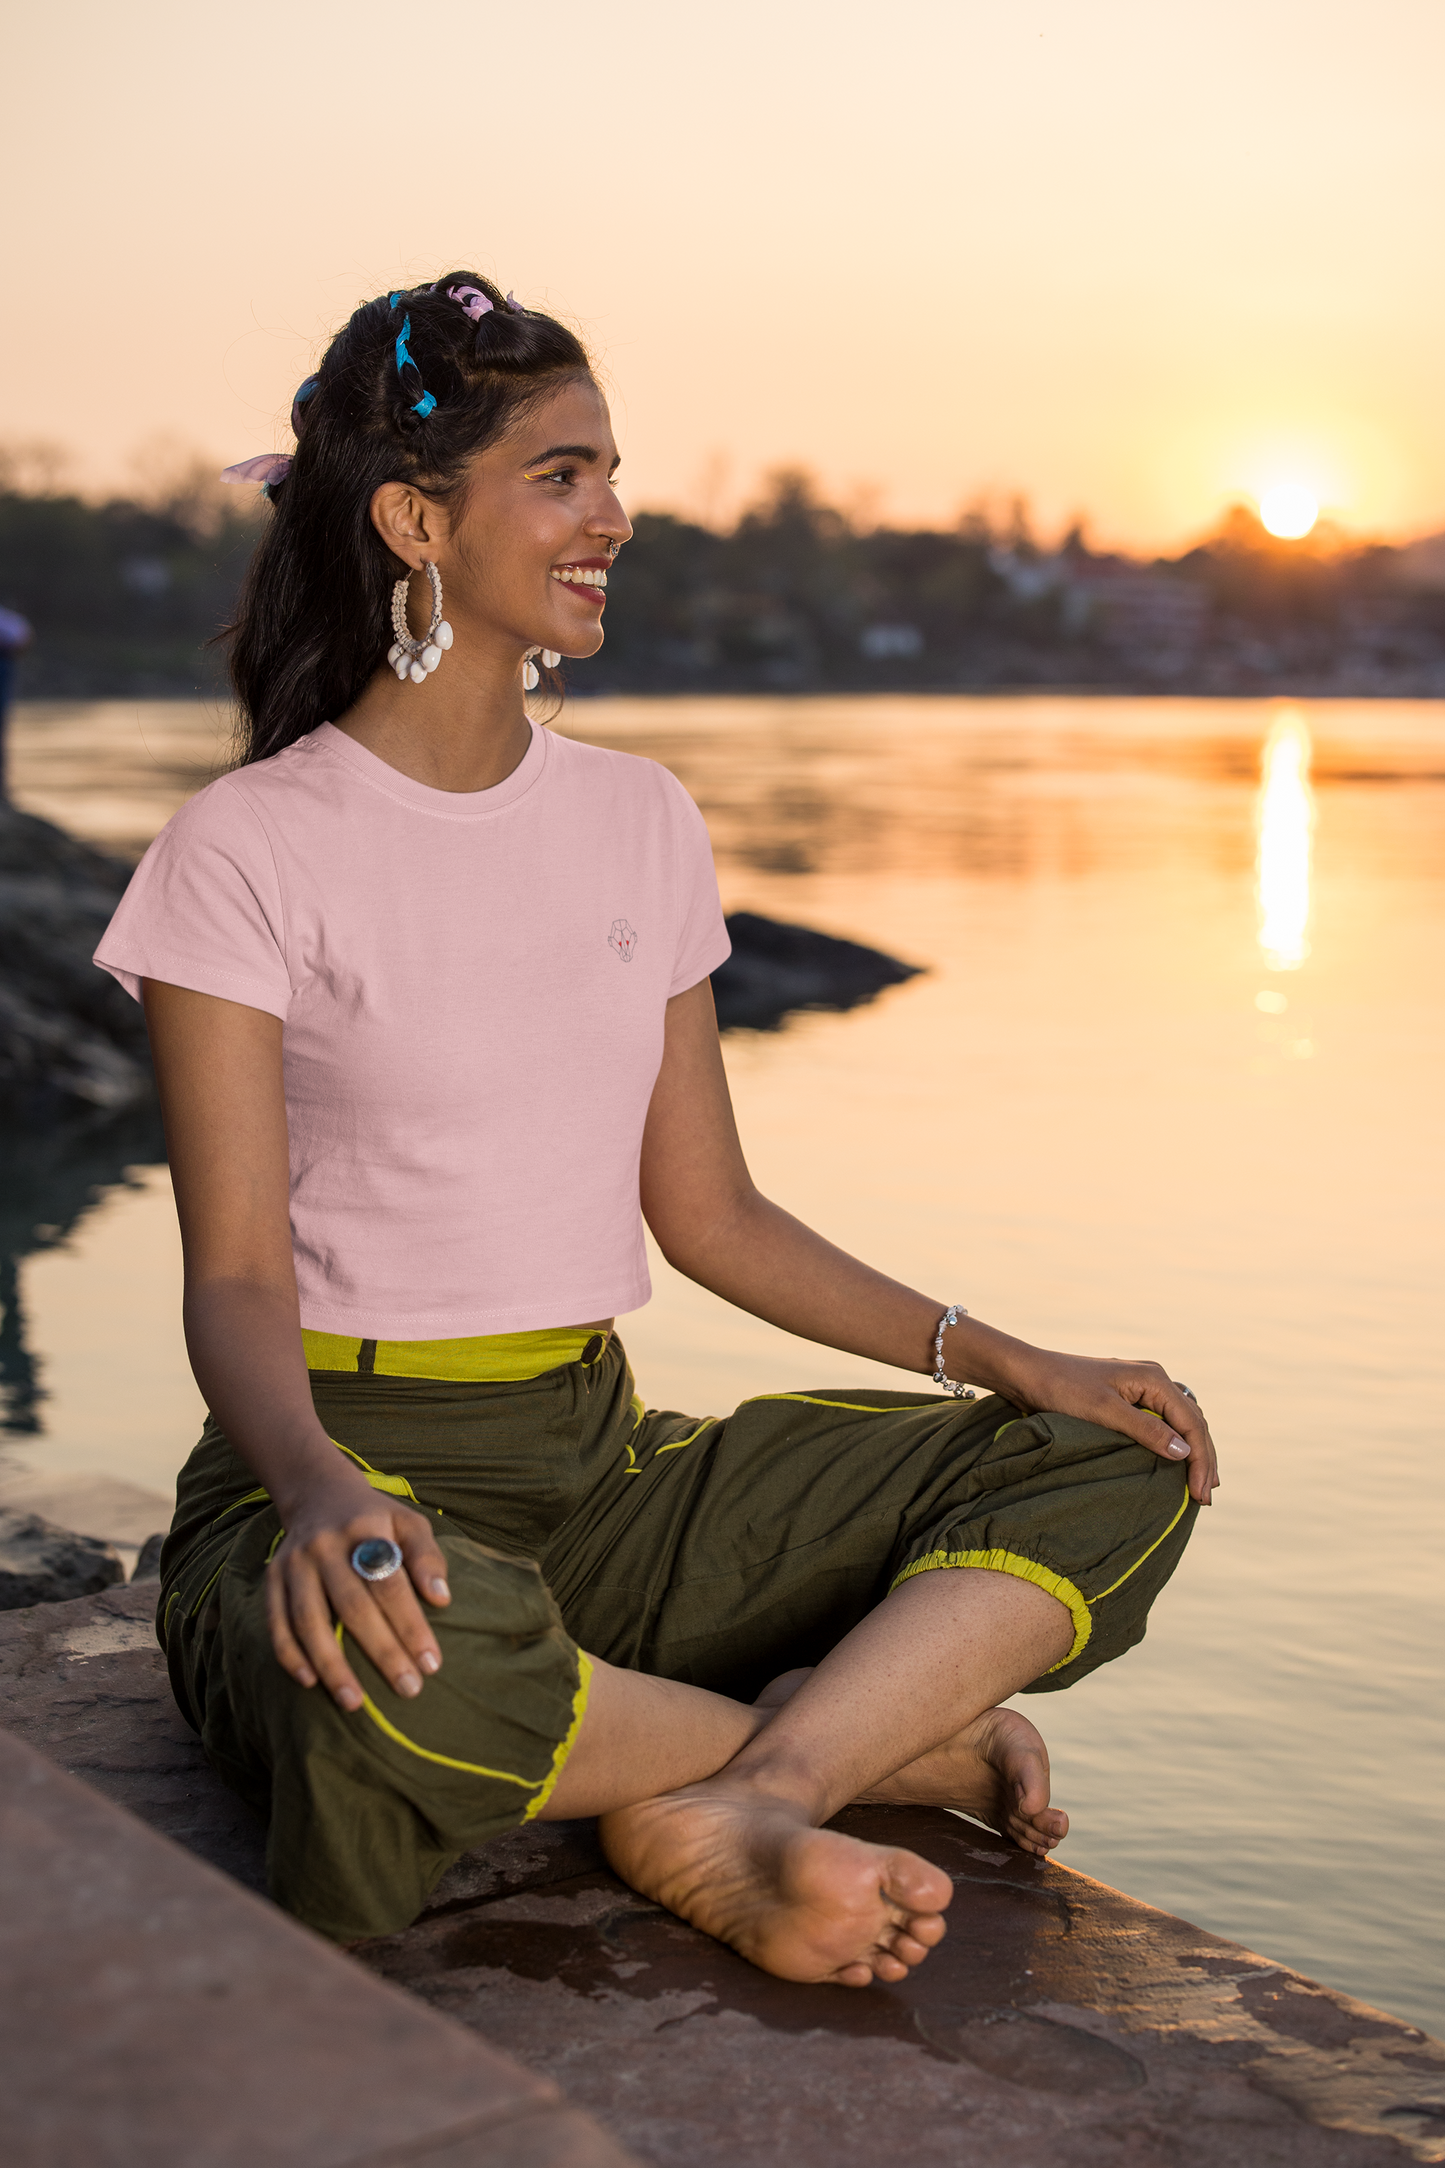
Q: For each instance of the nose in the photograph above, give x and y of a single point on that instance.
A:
(611, 521)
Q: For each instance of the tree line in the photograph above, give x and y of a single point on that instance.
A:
(126, 598)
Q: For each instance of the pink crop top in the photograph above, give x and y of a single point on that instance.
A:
(472, 988)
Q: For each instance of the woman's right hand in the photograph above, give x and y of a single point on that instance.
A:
(311, 1583)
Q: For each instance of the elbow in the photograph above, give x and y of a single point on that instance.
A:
(700, 1241)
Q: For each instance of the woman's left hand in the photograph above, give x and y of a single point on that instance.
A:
(1138, 1398)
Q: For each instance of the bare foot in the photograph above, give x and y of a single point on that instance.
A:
(996, 1769)
(803, 1903)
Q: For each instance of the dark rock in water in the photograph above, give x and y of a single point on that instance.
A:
(71, 1041)
(148, 1563)
(40, 1563)
(774, 969)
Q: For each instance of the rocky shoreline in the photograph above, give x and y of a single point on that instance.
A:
(72, 1043)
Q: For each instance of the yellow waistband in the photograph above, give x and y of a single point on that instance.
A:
(496, 1358)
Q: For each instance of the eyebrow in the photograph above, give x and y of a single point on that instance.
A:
(587, 452)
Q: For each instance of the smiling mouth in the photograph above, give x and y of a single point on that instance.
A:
(591, 579)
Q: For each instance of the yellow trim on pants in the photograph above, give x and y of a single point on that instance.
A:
(498, 1358)
(1023, 1569)
(565, 1746)
(542, 1786)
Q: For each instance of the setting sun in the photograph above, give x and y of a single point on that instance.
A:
(1289, 510)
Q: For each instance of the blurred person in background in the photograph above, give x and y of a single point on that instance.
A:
(14, 637)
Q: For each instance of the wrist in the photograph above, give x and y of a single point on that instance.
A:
(315, 1475)
(979, 1354)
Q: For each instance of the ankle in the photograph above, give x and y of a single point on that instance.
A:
(765, 1777)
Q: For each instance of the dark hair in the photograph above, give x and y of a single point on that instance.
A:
(312, 622)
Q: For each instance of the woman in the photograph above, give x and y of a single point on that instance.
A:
(428, 993)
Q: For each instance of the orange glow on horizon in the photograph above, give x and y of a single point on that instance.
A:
(1049, 277)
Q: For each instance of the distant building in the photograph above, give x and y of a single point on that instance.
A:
(887, 643)
(1027, 576)
(1137, 610)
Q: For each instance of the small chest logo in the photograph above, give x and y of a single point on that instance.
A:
(623, 938)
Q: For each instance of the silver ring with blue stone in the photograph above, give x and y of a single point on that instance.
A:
(377, 1558)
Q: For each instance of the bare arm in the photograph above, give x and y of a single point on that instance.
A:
(712, 1224)
(218, 1065)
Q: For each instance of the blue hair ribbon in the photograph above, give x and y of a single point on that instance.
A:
(426, 404)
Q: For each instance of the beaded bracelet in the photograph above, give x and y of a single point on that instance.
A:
(950, 1316)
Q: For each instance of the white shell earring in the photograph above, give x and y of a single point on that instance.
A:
(412, 658)
(550, 660)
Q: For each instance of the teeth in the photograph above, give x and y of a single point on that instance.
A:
(574, 576)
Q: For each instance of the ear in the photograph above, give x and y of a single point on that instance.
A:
(410, 524)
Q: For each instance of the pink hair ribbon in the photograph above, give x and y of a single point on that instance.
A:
(265, 467)
(472, 299)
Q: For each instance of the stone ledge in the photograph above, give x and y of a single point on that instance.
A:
(1059, 2021)
(167, 2016)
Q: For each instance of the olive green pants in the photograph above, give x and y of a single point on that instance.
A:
(719, 1552)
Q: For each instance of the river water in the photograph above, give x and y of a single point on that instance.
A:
(1170, 1086)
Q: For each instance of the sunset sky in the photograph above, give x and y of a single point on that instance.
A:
(1129, 257)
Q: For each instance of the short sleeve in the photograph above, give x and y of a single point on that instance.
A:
(702, 937)
(204, 908)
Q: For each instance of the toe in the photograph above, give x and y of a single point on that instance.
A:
(859, 1975)
(914, 1885)
(904, 1947)
(1039, 1832)
(888, 1967)
(1031, 1785)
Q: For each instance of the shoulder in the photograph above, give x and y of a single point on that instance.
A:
(249, 801)
(235, 819)
(219, 813)
(627, 779)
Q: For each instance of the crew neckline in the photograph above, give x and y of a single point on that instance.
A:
(442, 804)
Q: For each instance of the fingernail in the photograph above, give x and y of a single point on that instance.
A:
(407, 1682)
(429, 1662)
(349, 1698)
(306, 1676)
(440, 1590)
(1179, 1449)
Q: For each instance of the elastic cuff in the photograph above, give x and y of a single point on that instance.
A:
(559, 1759)
(1023, 1569)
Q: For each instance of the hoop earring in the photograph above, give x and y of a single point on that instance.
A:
(530, 675)
(416, 659)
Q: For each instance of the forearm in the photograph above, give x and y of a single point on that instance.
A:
(757, 1256)
(244, 1340)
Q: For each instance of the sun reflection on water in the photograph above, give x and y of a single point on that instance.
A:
(1286, 818)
